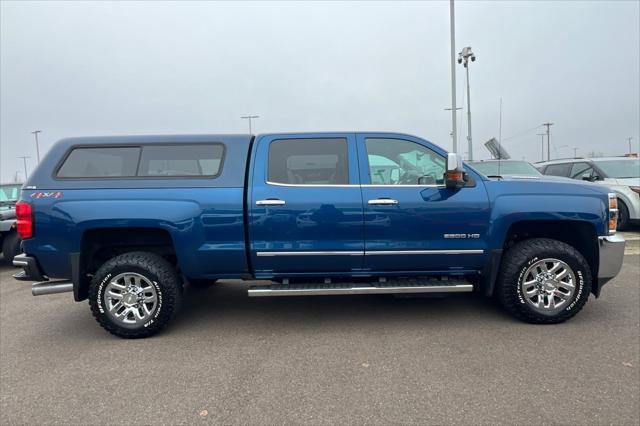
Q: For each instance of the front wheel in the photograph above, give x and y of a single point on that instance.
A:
(623, 216)
(135, 294)
(543, 281)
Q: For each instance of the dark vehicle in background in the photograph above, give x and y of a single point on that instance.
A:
(620, 174)
(9, 238)
(505, 168)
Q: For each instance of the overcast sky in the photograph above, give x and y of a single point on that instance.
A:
(113, 68)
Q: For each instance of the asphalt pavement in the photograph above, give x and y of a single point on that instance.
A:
(353, 359)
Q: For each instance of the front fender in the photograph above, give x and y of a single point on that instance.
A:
(525, 202)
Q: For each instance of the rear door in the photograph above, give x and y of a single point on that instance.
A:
(306, 214)
(412, 222)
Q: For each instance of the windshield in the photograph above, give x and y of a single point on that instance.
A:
(9, 192)
(517, 168)
(619, 169)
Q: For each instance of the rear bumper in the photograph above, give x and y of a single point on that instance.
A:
(30, 269)
(611, 250)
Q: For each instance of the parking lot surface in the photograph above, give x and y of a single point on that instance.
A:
(363, 359)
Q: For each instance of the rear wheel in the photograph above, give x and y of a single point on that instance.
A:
(135, 294)
(11, 246)
(623, 216)
(544, 281)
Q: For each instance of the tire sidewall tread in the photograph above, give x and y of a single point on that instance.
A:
(518, 259)
(160, 273)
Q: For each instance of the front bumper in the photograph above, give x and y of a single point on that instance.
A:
(611, 250)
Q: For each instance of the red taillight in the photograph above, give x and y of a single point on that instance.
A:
(24, 220)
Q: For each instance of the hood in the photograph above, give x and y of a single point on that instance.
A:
(627, 181)
(547, 183)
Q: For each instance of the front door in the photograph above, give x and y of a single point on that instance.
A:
(306, 213)
(412, 222)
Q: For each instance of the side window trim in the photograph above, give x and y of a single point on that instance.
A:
(367, 169)
(67, 154)
(309, 185)
(220, 167)
(61, 162)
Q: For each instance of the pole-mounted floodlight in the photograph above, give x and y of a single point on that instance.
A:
(249, 117)
(463, 58)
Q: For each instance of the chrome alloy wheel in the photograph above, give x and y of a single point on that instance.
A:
(548, 285)
(130, 299)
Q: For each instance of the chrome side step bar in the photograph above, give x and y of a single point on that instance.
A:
(389, 287)
(51, 287)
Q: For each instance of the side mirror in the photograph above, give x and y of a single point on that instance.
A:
(587, 176)
(454, 176)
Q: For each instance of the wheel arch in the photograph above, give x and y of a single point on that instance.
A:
(97, 245)
(581, 235)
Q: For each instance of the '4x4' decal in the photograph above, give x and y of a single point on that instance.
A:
(56, 194)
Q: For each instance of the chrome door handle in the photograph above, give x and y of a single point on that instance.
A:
(383, 202)
(271, 202)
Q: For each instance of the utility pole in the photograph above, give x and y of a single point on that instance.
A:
(452, 18)
(548, 125)
(35, 133)
(24, 160)
(629, 139)
(463, 58)
(249, 117)
(542, 137)
(575, 152)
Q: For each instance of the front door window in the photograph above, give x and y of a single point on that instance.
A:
(400, 162)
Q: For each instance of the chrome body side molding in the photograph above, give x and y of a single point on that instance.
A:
(365, 253)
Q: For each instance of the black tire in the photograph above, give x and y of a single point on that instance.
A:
(11, 246)
(202, 283)
(515, 264)
(623, 216)
(159, 273)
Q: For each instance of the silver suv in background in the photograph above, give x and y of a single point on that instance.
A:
(621, 174)
(505, 168)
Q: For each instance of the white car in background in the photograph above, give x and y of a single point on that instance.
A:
(621, 174)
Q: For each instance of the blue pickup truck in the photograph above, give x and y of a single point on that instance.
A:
(127, 222)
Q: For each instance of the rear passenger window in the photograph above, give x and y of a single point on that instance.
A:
(309, 162)
(558, 169)
(100, 162)
(181, 160)
(579, 169)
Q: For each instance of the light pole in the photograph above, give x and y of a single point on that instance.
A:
(24, 160)
(452, 25)
(629, 139)
(249, 117)
(575, 152)
(463, 58)
(451, 109)
(35, 133)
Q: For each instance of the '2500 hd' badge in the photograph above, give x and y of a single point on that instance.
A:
(56, 194)
(462, 236)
